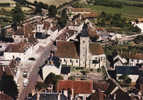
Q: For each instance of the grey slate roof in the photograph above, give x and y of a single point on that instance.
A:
(127, 70)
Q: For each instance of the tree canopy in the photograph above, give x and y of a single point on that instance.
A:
(17, 16)
(8, 86)
(53, 79)
(52, 11)
(62, 21)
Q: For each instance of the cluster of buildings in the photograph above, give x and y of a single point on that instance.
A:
(77, 45)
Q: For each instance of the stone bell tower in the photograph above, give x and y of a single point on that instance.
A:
(84, 47)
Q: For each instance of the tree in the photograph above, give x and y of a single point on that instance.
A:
(52, 11)
(126, 79)
(17, 16)
(2, 34)
(103, 14)
(22, 2)
(63, 19)
(52, 79)
(38, 7)
(8, 86)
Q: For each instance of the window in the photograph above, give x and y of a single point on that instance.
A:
(70, 60)
(32, 59)
(94, 61)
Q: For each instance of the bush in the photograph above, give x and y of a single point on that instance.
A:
(98, 70)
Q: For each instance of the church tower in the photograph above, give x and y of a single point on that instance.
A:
(84, 47)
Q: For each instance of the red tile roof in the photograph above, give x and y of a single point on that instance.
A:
(71, 49)
(92, 33)
(18, 47)
(90, 15)
(46, 25)
(5, 97)
(19, 31)
(80, 10)
(96, 49)
(103, 85)
(140, 19)
(66, 49)
(132, 56)
(28, 29)
(84, 87)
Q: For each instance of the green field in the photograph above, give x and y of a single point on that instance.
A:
(51, 2)
(131, 1)
(130, 8)
(128, 11)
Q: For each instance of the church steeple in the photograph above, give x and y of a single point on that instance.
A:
(84, 32)
(84, 46)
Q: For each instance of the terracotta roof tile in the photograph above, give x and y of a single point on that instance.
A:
(103, 85)
(20, 31)
(66, 49)
(140, 19)
(46, 25)
(96, 49)
(80, 10)
(93, 15)
(133, 56)
(84, 87)
(28, 29)
(92, 33)
(18, 47)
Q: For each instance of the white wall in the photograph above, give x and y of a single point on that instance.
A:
(10, 55)
(102, 59)
(133, 62)
(70, 61)
(47, 69)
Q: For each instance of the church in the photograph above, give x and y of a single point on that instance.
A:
(83, 53)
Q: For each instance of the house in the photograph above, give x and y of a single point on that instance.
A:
(83, 54)
(75, 89)
(3, 47)
(130, 60)
(140, 25)
(131, 71)
(7, 3)
(76, 11)
(139, 20)
(119, 61)
(15, 50)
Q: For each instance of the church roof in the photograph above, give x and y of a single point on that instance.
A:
(71, 49)
(66, 49)
(96, 49)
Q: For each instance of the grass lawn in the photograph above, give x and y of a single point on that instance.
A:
(131, 1)
(128, 11)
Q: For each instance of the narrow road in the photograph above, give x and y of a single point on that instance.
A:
(40, 53)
